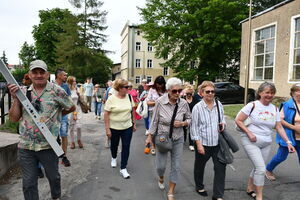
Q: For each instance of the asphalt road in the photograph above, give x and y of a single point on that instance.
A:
(91, 178)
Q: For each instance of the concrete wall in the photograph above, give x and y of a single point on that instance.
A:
(282, 18)
(8, 151)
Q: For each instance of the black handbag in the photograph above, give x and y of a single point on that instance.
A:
(164, 141)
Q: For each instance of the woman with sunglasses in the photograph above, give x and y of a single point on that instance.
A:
(169, 106)
(120, 123)
(290, 119)
(205, 130)
(158, 89)
(189, 91)
(257, 136)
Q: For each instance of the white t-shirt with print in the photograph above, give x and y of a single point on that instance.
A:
(263, 119)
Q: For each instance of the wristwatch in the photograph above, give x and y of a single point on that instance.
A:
(288, 142)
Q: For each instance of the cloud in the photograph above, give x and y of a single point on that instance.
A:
(18, 17)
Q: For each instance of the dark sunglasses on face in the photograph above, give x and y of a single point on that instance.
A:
(188, 94)
(176, 91)
(209, 92)
(37, 104)
(126, 86)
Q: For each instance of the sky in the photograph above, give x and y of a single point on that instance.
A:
(17, 18)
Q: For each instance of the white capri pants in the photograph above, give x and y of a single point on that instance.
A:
(258, 153)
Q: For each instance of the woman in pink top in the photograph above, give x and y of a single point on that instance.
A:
(158, 89)
(134, 94)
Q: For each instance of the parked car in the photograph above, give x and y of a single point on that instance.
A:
(229, 92)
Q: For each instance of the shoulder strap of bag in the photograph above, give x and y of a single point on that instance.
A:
(173, 119)
(130, 99)
(252, 108)
(219, 115)
(296, 106)
(28, 94)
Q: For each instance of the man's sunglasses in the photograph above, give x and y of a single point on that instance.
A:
(209, 92)
(176, 91)
(37, 104)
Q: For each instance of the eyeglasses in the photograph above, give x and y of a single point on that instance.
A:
(209, 92)
(176, 91)
(188, 94)
(37, 104)
(126, 86)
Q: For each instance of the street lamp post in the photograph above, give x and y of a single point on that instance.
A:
(248, 58)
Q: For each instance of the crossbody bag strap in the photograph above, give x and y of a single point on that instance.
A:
(130, 99)
(296, 106)
(28, 94)
(172, 120)
(219, 115)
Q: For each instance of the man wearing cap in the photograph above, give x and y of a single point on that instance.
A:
(50, 101)
(60, 79)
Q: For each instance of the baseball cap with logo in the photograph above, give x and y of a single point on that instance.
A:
(38, 64)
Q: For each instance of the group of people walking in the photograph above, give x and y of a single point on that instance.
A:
(174, 114)
(174, 110)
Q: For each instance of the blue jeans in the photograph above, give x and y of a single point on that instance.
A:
(98, 106)
(147, 122)
(125, 136)
(281, 155)
(64, 126)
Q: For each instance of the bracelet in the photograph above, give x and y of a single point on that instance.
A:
(288, 142)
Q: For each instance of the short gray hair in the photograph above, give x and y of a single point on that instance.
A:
(263, 86)
(172, 82)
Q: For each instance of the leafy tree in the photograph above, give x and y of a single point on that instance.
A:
(45, 34)
(4, 58)
(202, 37)
(27, 54)
(92, 21)
(262, 5)
(77, 59)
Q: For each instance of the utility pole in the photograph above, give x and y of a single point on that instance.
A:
(249, 55)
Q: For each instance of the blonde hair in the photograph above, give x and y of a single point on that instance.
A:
(189, 87)
(119, 83)
(70, 81)
(205, 84)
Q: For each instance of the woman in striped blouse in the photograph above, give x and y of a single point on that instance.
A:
(205, 130)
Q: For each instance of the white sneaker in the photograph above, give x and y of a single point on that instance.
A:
(124, 173)
(192, 148)
(146, 133)
(113, 163)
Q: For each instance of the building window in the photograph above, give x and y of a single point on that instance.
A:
(137, 79)
(264, 53)
(166, 71)
(149, 47)
(137, 46)
(149, 63)
(138, 32)
(149, 79)
(137, 63)
(296, 51)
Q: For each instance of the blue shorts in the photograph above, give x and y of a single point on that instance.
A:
(63, 132)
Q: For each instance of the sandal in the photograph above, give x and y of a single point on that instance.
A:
(202, 192)
(252, 194)
(270, 176)
(170, 196)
